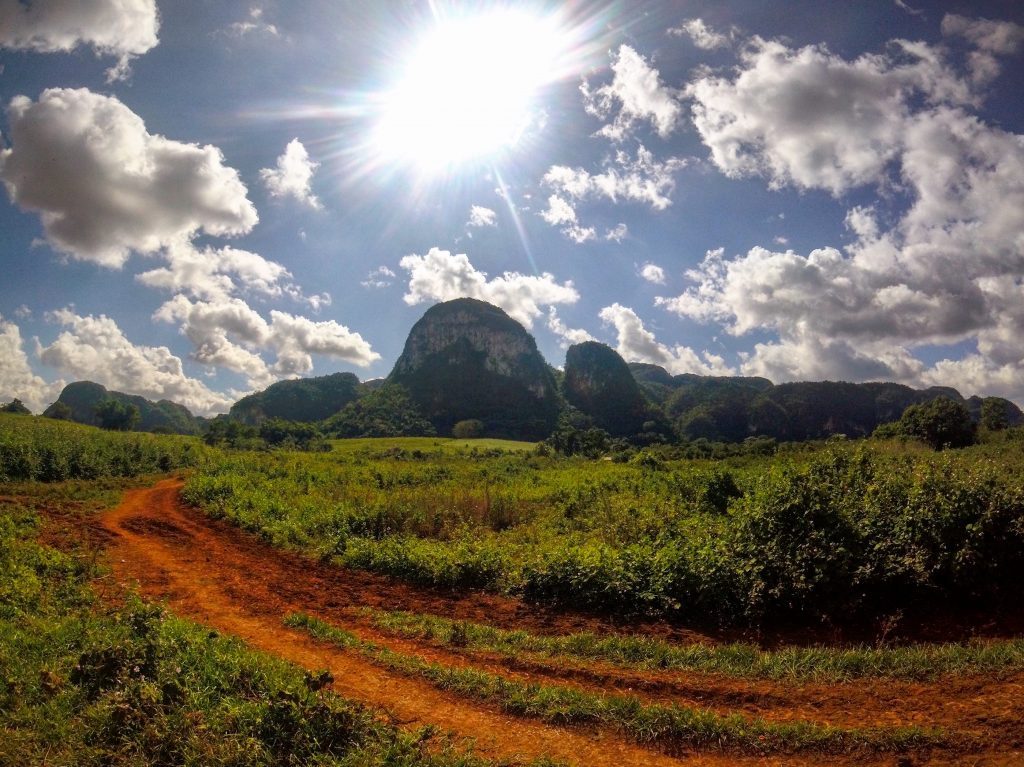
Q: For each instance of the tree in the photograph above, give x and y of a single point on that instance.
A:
(471, 428)
(15, 406)
(995, 413)
(940, 423)
(61, 411)
(116, 416)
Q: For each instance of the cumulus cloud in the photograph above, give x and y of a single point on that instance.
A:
(95, 348)
(105, 187)
(637, 344)
(653, 273)
(560, 212)
(122, 28)
(218, 272)
(635, 95)
(642, 178)
(990, 39)
(441, 276)
(813, 120)
(566, 335)
(254, 25)
(292, 176)
(480, 216)
(229, 333)
(17, 381)
(947, 267)
(701, 35)
(617, 233)
(381, 277)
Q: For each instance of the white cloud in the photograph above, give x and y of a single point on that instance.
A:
(990, 39)
(293, 175)
(23, 312)
(567, 336)
(17, 381)
(635, 94)
(253, 25)
(228, 333)
(122, 28)
(381, 277)
(946, 267)
(105, 187)
(653, 273)
(640, 179)
(480, 216)
(560, 212)
(637, 344)
(218, 272)
(96, 349)
(441, 276)
(813, 120)
(617, 234)
(701, 35)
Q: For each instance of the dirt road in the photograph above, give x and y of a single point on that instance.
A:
(222, 577)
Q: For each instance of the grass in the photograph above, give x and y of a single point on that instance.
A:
(93, 683)
(670, 726)
(745, 661)
(833, 533)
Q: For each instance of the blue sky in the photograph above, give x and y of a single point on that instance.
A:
(202, 198)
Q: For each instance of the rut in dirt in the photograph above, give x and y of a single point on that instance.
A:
(218, 575)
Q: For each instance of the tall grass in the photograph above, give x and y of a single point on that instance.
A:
(45, 450)
(740, 660)
(840, 533)
(670, 726)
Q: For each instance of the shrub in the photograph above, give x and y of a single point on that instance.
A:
(468, 429)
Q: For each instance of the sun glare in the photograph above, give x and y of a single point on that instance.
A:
(468, 88)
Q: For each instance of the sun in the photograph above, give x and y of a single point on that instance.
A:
(468, 88)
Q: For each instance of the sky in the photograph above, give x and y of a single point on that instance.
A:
(201, 198)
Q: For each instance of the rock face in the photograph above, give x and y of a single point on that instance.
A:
(599, 383)
(83, 397)
(301, 399)
(468, 359)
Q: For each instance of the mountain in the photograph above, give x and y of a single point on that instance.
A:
(83, 397)
(730, 409)
(300, 399)
(599, 383)
(468, 359)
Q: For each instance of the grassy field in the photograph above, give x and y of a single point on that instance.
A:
(117, 680)
(830, 532)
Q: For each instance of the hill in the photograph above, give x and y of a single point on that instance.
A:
(300, 399)
(598, 383)
(730, 409)
(466, 359)
(82, 397)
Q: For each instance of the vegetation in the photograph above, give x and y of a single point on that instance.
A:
(116, 416)
(52, 451)
(469, 429)
(79, 401)
(87, 684)
(741, 660)
(671, 726)
(940, 423)
(840, 533)
(302, 399)
(384, 412)
(15, 406)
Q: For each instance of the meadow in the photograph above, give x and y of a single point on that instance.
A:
(867, 532)
(837, 531)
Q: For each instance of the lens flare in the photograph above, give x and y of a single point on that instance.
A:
(468, 88)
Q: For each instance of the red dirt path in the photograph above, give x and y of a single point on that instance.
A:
(211, 572)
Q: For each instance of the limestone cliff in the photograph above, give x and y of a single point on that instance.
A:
(468, 359)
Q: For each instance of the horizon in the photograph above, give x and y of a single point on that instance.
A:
(201, 201)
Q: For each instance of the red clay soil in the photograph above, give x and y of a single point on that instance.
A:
(222, 577)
